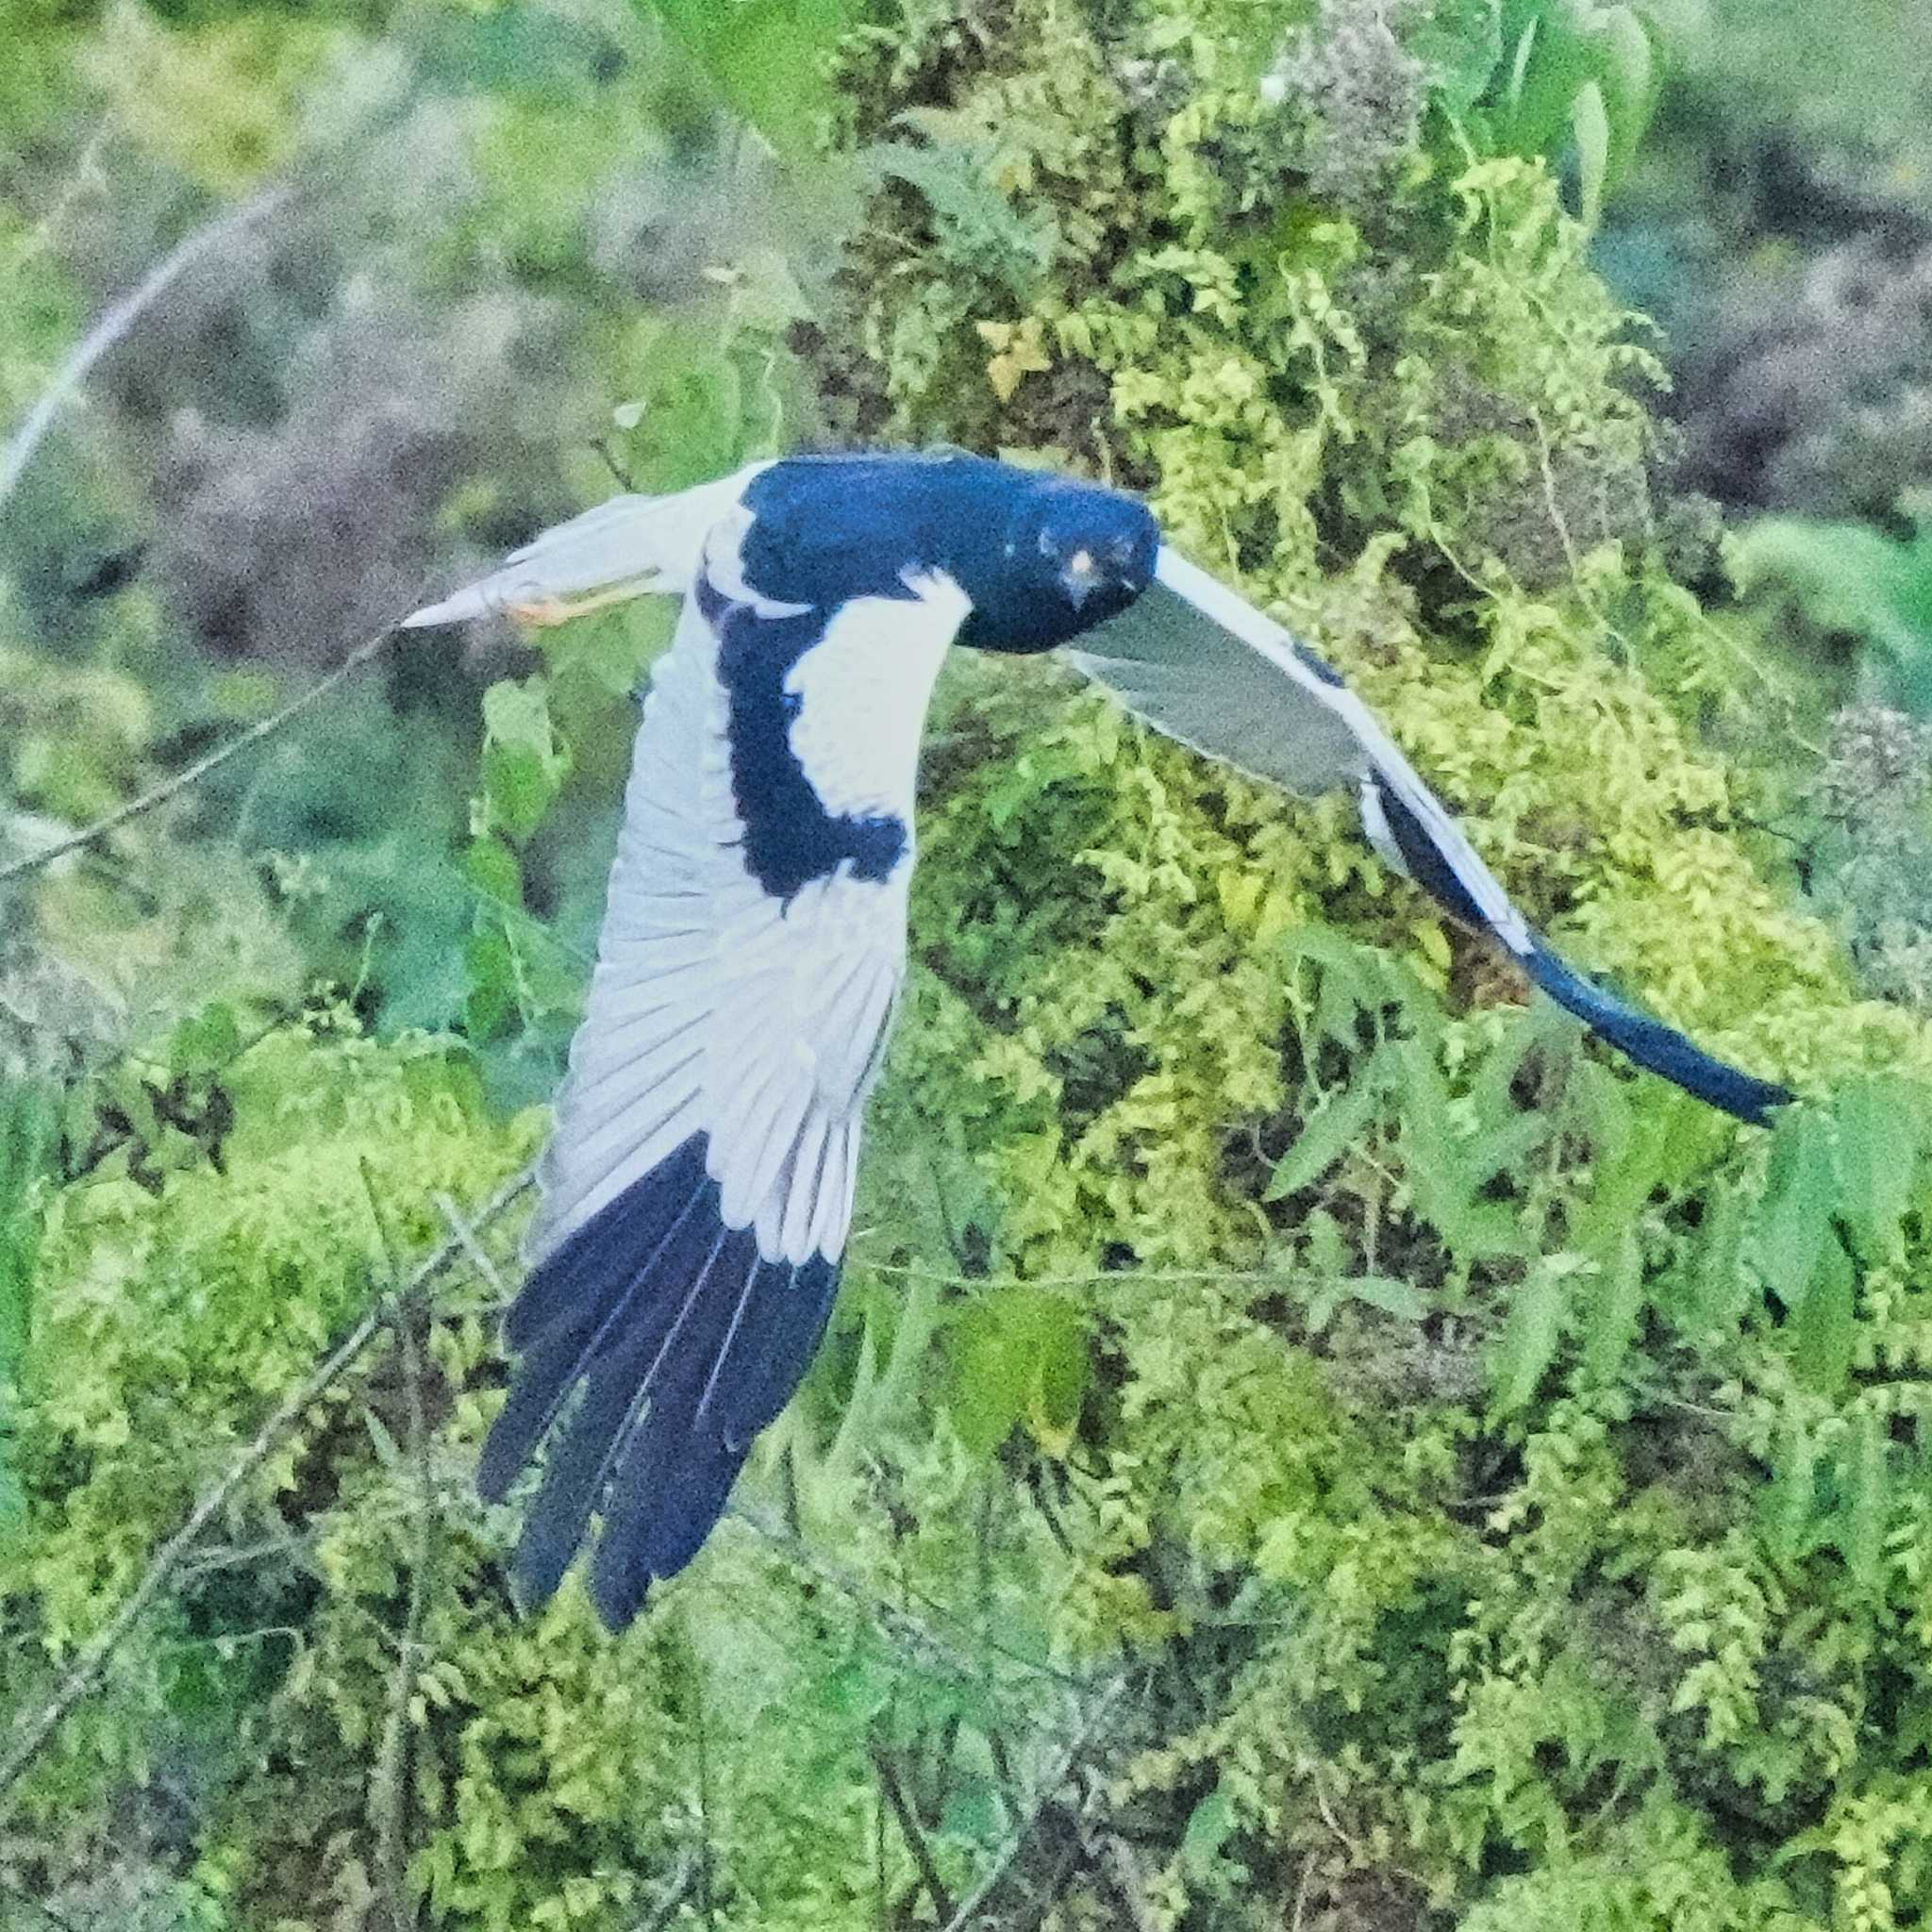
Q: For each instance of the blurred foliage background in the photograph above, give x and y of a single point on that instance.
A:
(1304, 1443)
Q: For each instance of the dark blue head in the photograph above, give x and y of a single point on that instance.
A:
(1041, 558)
(1067, 556)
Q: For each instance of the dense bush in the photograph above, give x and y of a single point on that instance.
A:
(1413, 1473)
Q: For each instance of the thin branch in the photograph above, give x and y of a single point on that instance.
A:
(1099, 1277)
(207, 240)
(192, 775)
(388, 1783)
(910, 1830)
(86, 180)
(682, 1881)
(1301, 1891)
(473, 1248)
(1121, 1871)
(1017, 1838)
(924, 1645)
(85, 1679)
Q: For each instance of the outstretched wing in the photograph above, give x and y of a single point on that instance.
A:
(625, 547)
(697, 1186)
(1202, 665)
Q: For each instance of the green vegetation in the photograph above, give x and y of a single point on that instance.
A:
(1305, 1441)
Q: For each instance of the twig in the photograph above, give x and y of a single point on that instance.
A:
(85, 179)
(1016, 1839)
(1301, 1891)
(682, 1881)
(1123, 1278)
(193, 774)
(85, 1676)
(910, 1830)
(473, 1248)
(900, 1625)
(122, 317)
(388, 1783)
(1121, 1871)
(708, 1902)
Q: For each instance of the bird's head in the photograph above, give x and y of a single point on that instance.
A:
(1068, 556)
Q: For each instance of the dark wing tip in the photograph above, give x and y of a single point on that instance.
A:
(652, 1346)
(1652, 1044)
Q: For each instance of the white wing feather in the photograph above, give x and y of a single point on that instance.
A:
(717, 1008)
(629, 546)
(1201, 664)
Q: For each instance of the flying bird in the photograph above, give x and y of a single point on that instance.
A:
(697, 1186)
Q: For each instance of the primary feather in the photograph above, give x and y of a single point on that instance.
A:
(697, 1188)
(1294, 721)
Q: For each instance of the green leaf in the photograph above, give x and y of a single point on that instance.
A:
(1789, 1501)
(1640, 1147)
(1443, 1172)
(1018, 1354)
(1801, 1189)
(1528, 1346)
(1352, 982)
(1881, 1126)
(1551, 64)
(766, 59)
(524, 762)
(1394, 1297)
(1590, 121)
(954, 184)
(858, 1689)
(1864, 1501)
(892, 1350)
(972, 1811)
(1823, 1326)
(206, 1041)
(27, 1118)
(1612, 1307)
(1462, 44)
(1210, 1825)
(1329, 1132)
(1720, 1287)
(495, 872)
(490, 966)
(1629, 71)
(517, 715)
(1845, 576)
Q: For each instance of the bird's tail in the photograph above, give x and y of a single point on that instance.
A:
(1652, 1044)
(630, 546)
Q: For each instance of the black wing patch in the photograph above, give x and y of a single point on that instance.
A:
(687, 1343)
(790, 838)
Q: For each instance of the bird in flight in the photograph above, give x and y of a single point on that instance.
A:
(697, 1186)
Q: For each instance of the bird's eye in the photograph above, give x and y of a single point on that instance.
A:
(1121, 550)
(1047, 546)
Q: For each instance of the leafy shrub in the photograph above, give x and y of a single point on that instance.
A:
(1421, 1474)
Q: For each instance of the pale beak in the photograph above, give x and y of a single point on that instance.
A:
(1080, 576)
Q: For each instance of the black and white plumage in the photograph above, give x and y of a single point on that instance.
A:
(697, 1188)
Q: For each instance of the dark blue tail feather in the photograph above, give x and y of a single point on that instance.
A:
(651, 1348)
(1652, 1044)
